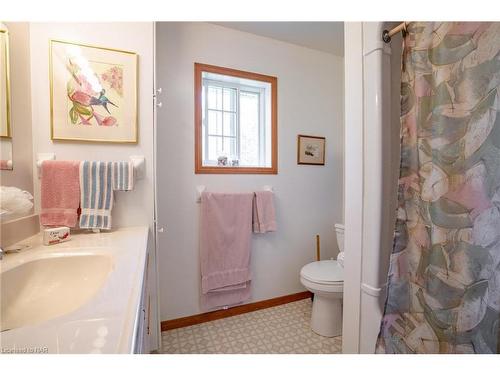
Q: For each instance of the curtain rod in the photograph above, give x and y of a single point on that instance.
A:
(387, 34)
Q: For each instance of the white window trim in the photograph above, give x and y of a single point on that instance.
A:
(262, 118)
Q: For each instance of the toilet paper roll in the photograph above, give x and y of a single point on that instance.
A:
(340, 258)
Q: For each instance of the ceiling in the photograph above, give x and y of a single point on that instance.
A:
(323, 36)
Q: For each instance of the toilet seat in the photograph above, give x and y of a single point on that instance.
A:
(324, 272)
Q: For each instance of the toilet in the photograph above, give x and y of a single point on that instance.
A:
(325, 279)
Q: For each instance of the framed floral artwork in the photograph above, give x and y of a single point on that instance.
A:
(310, 150)
(4, 85)
(93, 93)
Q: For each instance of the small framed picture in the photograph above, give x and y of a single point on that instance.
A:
(310, 150)
(93, 93)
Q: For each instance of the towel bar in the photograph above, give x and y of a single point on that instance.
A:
(41, 157)
(201, 188)
(139, 162)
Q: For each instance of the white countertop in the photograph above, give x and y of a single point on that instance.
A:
(107, 322)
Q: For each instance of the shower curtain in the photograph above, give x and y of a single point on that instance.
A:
(444, 276)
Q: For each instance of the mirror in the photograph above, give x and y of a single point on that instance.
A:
(16, 148)
(5, 105)
(236, 121)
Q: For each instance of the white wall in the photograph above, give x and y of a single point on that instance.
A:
(308, 198)
(130, 208)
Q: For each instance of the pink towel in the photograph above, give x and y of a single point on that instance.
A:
(225, 231)
(60, 192)
(264, 217)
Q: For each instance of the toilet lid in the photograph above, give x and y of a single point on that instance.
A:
(324, 271)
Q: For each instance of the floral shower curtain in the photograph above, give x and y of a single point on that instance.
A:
(444, 277)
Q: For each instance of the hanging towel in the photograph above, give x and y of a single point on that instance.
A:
(123, 175)
(264, 217)
(60, 193)
(96, 197)
(225, 232)
(4, 164)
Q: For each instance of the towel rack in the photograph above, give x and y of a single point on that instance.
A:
(41, 157)
(201, 188)
(139, 162)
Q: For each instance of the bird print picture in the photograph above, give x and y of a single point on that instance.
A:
(93, 93)
(89, 93)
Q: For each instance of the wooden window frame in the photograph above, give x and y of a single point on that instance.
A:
(199, 168)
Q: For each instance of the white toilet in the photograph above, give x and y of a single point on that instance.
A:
(326, 280)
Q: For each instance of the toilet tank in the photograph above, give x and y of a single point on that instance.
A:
(339, 228)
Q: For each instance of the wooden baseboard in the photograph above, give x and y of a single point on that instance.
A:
(236, 310)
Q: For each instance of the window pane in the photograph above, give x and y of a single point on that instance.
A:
(204, 142)
(214, 147)
(229, 96)
(203, 103)
(214, 97)
(229, 124)
(249, 128)
(229, 148)
(214, 122)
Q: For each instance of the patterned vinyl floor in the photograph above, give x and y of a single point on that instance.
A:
(282, 329)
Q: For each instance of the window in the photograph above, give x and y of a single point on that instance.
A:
(235, 121)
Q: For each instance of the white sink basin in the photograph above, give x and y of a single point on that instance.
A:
(47, 288)
(79, 296)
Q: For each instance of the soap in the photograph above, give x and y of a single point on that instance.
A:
(52, 236)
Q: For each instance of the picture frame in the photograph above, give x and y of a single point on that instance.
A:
(93, 93)
(310, 150)
(5, 104)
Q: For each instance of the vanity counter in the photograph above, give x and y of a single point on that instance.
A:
(86, 294)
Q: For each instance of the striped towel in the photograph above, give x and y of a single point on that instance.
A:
(96, 194)
(123, 175)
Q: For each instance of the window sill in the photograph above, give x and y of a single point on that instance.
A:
(235, 170)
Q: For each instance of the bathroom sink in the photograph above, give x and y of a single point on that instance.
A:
(47, 288)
